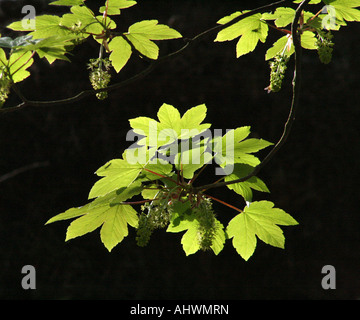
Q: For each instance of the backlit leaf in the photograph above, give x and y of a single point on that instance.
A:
(259, 219)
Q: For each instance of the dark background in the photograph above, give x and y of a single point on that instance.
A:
(314, 177)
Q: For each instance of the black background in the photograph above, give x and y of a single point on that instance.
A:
(314, 177)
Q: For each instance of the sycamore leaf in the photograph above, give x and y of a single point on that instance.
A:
(144, 45)
(259, 219)
(282, 45)
(19, 42)
(115, 197)
(171, 126)
(82, 18)
(190, 239)
(113, 219)
(120, 53)
(3, 59)
(345, 9)
(108, 212)
(308, 40)
(18, 63)
(45, 26)
(67, 2)
(141, 33)
(282, 16)
(51, 48)
(251, 30)
(114, 6)
(245, 188)
(233, 148)
(120, 173)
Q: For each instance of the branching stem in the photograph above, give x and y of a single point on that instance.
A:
(293, 108)
(145, 72)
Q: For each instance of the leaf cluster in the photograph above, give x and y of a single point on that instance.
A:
(153, 185)
(160, 170)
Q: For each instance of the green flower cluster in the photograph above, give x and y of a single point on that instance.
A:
(99, 75)
(324, 46)
(152, 217)
(277, 72)
(5, 84)
(204, 214)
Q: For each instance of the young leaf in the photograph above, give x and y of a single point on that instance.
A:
(259, 219)
(282, 45)
(114, 6)
(141, 33)
(235, 149)
(345, 9)
(67, 2)
(170, 126)
(282, 16)
(144, 45)
(113, 219)
(45, 26)
(119, 173)
(120, 53)
(153, 31)
(190, 239)
(82, 18)
(51, 48)
(115, 197)
(108, 212)
(18, 63)
(250, 30)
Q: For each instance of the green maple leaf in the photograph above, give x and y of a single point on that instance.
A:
(345, 9)
(189, 223)
(120, 53)
(251, 30)
(120, 173)
(141, 34)
(45, 26)
(17, 65)
(284, 45)
(259, 219)
(114, 6)
(67, 2)
(51, 48)
(106, 212)
(282, 16)
(171, 126)
(83, 18)
(233, 148)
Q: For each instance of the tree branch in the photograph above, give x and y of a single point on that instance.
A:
(145, 72)
(22, 170)
(293, 108)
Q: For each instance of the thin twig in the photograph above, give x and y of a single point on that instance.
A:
(22, 170)
(293, 108)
